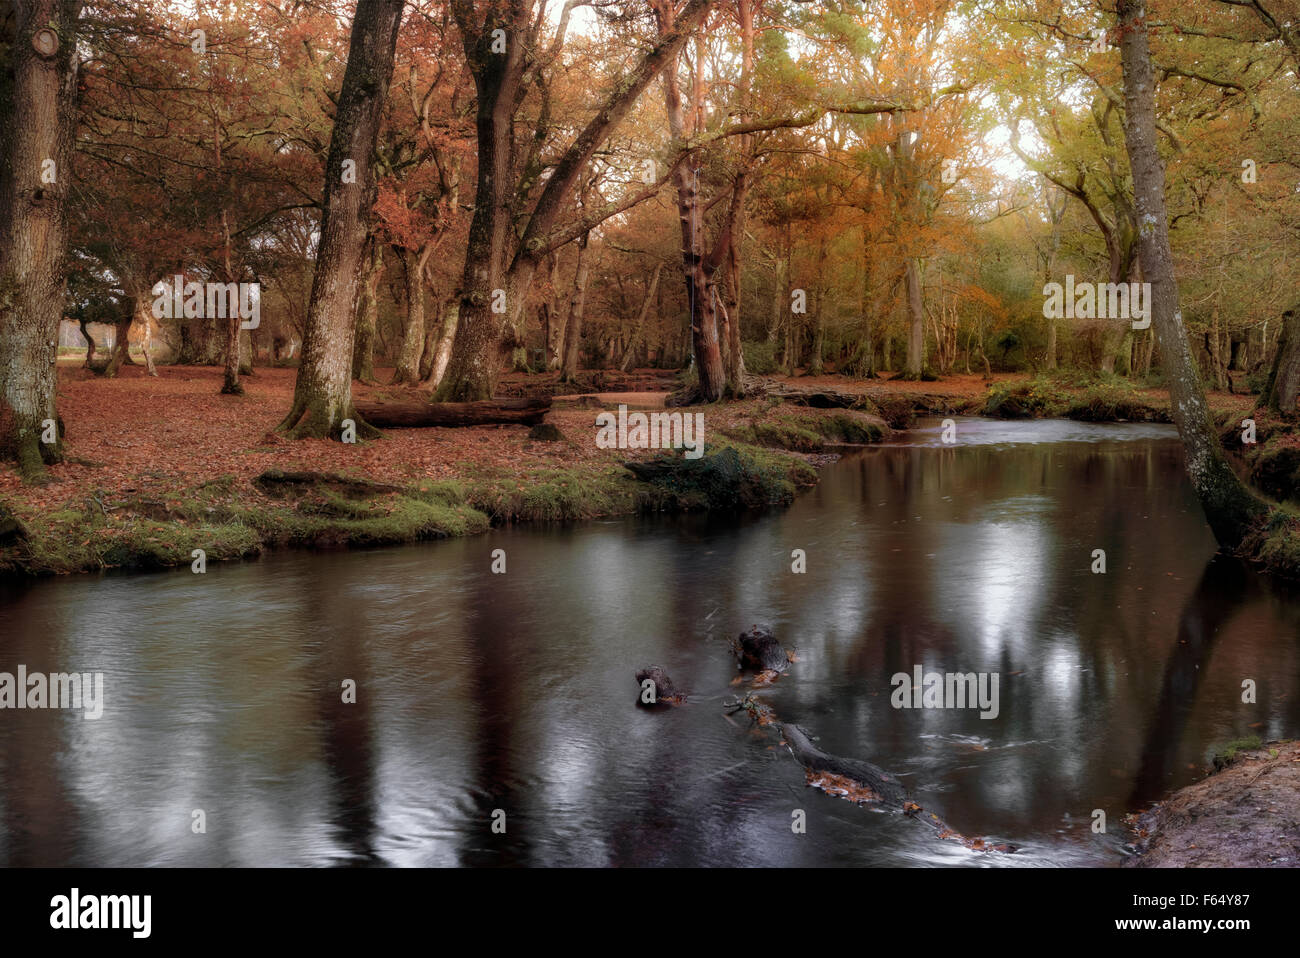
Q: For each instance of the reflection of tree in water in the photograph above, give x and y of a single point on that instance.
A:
(1224, 587)
(347, 740)
(496, 635)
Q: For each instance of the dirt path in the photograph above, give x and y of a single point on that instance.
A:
(1247, 815)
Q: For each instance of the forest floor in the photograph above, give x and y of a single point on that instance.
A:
(159, 467)
(1244, 815)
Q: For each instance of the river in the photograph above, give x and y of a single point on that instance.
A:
(477, 692)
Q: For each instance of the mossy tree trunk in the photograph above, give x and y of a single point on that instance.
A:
(1284, 379)
(915, 362)
(38, 114)
(363, 349)
(408, 358)
(1229, 506)
(577, 306)
(323, 392)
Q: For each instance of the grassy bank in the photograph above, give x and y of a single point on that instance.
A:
(1114, 400)
(230, 518)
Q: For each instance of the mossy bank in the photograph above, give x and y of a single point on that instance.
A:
(227, 518)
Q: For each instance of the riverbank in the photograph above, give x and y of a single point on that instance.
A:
(161, 467)
(1243, 815)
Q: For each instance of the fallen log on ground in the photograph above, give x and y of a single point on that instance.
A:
(411, 415)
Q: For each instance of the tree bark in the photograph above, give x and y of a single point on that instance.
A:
(1229, 506)
(199, 342)
(230, 385)
(632, 340)
(577, 304)
(323, 391)
(916, 325)
(363, 349)
(37, 123)
(120, 354)
(408, 359)
(1283, 387)
(447, 336)
(144, 316)
(527, 412)
(431, 331)
(90, 343)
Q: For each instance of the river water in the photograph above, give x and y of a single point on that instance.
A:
(478, 692)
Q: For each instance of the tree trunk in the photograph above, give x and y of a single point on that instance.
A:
(90, 343)
(323, 392)
(363, 349)
(431, 330)
(230, 384)
(735, 225)
(200, 345)
(37, 124)
(916, 327)
(1230, 508)
(632, 340)
(408, 359)
(1284, 379)
(447, 336)
(729, 241)
(144, 316)
(577, 304)
(705, 347)
(866, 365)
(120, 354)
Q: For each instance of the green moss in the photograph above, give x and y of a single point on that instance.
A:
(550, 492)
(1105, 400)
(1275, 467)
(1026, 399)
(1224, 754)
(851, 427)
(808, 430)
(780, 433)
(1277, 544)
(1113, 402)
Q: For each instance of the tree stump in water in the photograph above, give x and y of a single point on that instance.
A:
(759, 650)
(664, 690)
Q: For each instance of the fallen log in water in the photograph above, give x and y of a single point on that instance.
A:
(410, 415)
(665, 692)
(759, 650)
(884, 786)
(848, 778)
